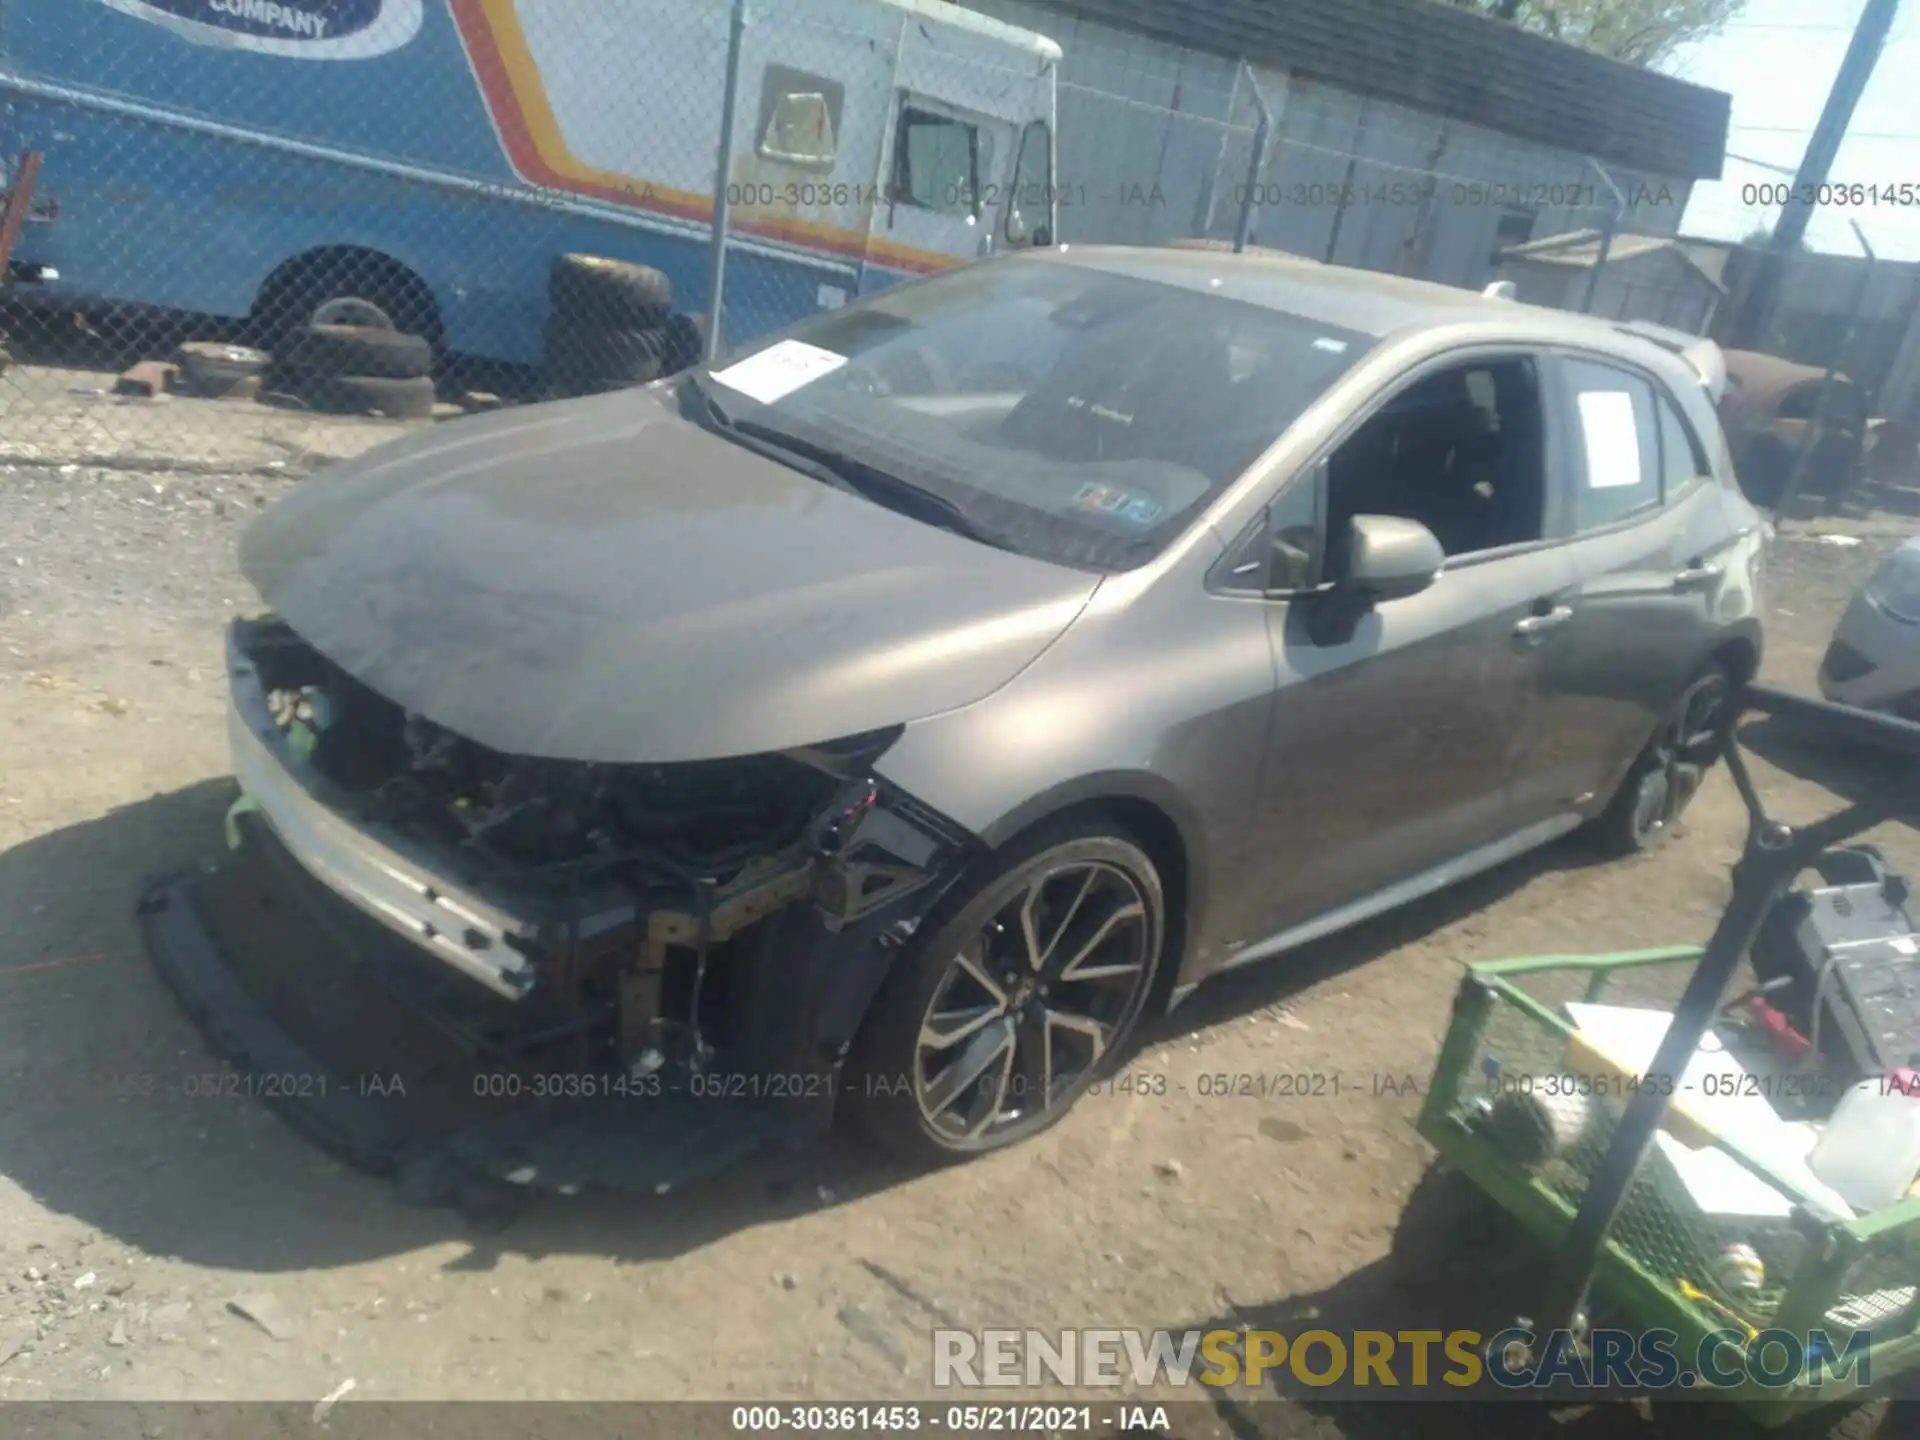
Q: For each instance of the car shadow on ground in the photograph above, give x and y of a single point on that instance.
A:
(118, 1115)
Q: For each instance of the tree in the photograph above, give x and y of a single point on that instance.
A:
(1640, 32)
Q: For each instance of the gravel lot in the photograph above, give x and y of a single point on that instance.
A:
(128, 1222)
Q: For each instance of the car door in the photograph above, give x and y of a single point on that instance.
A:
(1392, 742)
(1650, 543)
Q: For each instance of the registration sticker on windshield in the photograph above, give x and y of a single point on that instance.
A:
(779, 370)
(1125, 505)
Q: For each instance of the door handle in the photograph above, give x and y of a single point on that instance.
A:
(1696, 577)
(1535, 626)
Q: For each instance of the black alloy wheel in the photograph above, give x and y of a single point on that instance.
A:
(990, 1031)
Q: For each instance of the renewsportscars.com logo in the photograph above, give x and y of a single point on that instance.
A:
(1428, 1363)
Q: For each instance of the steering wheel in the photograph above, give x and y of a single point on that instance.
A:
(915, 370)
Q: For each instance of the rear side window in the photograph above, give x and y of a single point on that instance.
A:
(1617, 437)
(1682, 461)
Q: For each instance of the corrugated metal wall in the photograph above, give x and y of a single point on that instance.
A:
(1156, 139)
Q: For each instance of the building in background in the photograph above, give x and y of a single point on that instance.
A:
(1408, 136)
(1645, 277)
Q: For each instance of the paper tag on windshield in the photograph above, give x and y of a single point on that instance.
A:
(779, 370)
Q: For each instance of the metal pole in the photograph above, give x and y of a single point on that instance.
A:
(1607, 229)
(1261, 134)
(1804, 454)
(723, 169)
(1816, 166)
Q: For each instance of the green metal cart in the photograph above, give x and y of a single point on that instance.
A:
(1606, 1169)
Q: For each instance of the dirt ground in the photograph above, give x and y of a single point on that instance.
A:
(128, 1222)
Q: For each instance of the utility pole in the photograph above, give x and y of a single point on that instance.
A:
(1869, 39)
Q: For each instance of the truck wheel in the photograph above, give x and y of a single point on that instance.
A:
(342, 286)
(328, 350)
(615, 293)
(373, 394)
(995, 1021)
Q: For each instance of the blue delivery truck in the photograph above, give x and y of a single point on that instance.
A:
(278, 160)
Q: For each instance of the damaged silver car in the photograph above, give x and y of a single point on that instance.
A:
(893, 715)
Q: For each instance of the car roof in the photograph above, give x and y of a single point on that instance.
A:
(1361, 301)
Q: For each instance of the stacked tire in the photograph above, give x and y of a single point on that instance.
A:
(610, 325)
(359, 370)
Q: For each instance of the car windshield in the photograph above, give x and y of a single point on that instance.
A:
(1062, 410)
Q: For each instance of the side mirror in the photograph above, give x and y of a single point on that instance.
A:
(1389, 558)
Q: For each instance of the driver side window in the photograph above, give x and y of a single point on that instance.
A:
(1460, 450)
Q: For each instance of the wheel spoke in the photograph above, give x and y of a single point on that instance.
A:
(1039, 950)
(1033, 1059)
(978, 973)
(945, 1029)
(1090, 1029)
(990, 1046)
(1078, 969)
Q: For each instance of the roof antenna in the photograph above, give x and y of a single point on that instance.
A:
(1500, 290)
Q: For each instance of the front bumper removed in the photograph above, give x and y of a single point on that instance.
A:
(415, 1018)
(365, 1044)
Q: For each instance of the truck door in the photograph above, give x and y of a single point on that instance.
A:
(949, 177)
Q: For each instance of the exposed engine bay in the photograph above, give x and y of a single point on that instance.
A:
(647, 890)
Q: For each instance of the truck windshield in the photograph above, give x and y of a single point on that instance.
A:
(1071, 413)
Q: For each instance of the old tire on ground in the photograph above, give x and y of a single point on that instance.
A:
(586, 360)
(212, 368)
(617, 294)
(1666, 775)
(327, 350)
(411, 399)
(1020, 992)
(686, 337)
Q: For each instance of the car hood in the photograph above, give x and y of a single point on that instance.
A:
(603, 580)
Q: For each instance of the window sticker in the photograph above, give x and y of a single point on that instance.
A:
(1612, 439)
(1124, 505)
(779, 370)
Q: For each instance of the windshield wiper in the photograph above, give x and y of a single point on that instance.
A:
(843, 472)
(880, 486)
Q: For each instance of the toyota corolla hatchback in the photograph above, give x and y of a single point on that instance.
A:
(891, 716)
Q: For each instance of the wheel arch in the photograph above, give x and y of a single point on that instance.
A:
(322, 264)
(1151, 812)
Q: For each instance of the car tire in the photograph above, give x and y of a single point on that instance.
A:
(603, 291)
(1667, 773)
(213, 369)
(967, 1000)
(328, 350)
(372, 395)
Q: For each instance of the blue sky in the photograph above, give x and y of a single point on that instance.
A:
(1778, 61)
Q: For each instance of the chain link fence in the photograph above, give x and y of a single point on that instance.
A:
(243, 234)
